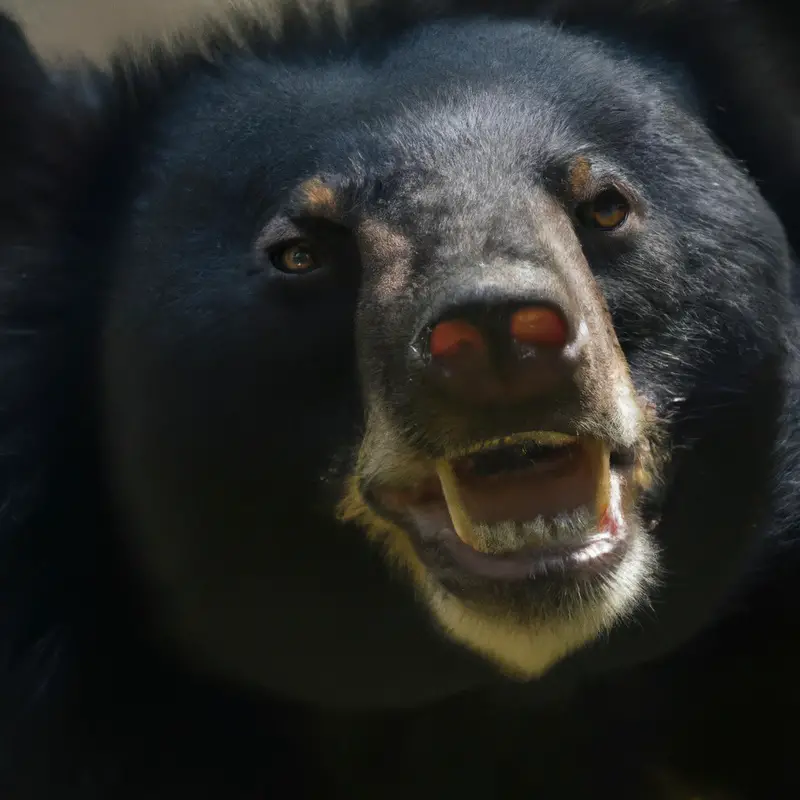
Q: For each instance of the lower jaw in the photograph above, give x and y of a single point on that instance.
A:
(536, 588)
(598, 554)
(594, 551)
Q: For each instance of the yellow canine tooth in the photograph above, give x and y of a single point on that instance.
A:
(462, 523)
(601, 466)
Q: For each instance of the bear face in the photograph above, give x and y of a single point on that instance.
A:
(493, 297)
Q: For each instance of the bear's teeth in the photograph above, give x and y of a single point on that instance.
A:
(601, 457)
(462, 523)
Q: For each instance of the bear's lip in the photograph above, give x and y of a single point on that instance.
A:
(518, 508)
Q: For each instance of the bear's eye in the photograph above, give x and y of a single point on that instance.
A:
(607, 211)
(297, 258)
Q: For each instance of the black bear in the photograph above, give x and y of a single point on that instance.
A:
(403, 403)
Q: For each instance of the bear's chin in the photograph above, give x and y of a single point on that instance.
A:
(524, 635)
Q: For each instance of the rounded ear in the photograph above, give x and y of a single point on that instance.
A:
(23, 89)
(47, 119)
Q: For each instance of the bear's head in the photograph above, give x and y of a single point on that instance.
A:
(431, 357)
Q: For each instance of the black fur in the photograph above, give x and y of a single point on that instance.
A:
(129, 204)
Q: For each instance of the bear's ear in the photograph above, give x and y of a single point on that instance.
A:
(24, 88)
(46, 119)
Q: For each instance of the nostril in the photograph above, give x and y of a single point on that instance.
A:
(539, 326)
(455, 337)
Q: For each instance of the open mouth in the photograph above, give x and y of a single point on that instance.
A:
(519, 508)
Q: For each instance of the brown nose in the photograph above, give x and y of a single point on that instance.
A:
(500, 355)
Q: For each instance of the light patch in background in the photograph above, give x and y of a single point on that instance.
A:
(95, 28)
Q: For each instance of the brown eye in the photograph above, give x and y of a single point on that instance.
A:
(606, 212)
(296, 258)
